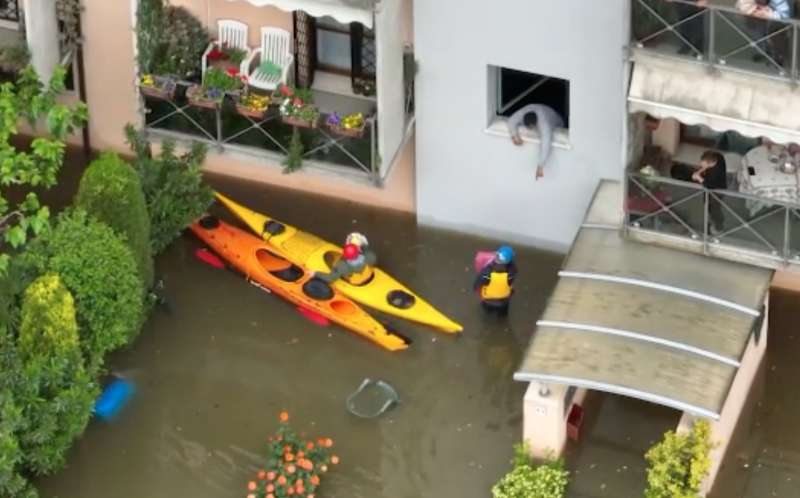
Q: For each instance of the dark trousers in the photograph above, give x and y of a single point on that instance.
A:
(694, 30)
(715, 213)
(498, 307)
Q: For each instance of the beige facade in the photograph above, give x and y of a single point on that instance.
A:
(113, 98)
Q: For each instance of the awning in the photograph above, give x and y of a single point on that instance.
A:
(722, 100)
(344, 11)
(662, 325)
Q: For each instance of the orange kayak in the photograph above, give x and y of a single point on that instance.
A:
(263, 265)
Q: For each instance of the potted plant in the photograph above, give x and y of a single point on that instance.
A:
(350, 125)
(252, 105)
(226, 57)
(216, 83)
(297, 107)
(294, 467)
(159, 87)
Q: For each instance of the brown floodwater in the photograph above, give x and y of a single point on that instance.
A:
(214, 370)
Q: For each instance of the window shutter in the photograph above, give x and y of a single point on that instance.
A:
(305, 42)
(363, 59)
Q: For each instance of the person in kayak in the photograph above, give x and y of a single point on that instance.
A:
(355, 266)
(496, 282)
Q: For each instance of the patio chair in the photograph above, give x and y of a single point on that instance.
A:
(232, 34)
(274, 60)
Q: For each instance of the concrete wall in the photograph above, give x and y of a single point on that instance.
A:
(114, 100)
(471, 180)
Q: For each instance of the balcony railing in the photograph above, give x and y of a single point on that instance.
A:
(717, 35)
(761, 230)
(268, 137)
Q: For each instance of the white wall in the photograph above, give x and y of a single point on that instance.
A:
(470, 180)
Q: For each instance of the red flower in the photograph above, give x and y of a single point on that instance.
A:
(232, 72)
(297, 102)
(217, 55)
(286, 91)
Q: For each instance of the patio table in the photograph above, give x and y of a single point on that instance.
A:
(767, 181)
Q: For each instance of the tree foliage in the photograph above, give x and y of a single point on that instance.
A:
(679, 463)
(99, 269)
(173, 187)
(170, 40)
(48, 319)
(39, 166)
(111, 192)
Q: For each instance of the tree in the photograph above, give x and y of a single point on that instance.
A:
(99, 269)
(39, 166)
(173, 187)
(111, 192)
(679, 463)
(55, 392)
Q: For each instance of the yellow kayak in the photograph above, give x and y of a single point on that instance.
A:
(381, 292)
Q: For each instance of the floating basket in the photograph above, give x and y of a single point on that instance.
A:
(372, 399)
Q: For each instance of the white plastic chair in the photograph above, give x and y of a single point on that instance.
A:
(232, 34)
(276, 47)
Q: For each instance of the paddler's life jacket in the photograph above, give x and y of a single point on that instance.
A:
(498, 286)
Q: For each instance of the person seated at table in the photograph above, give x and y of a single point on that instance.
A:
(713, 174)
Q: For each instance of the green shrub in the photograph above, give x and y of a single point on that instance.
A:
(173, 187)
(55, 391)
(98, 268)
(110, 191)
(12, 482)
(526, 480)
(48, 319)
(170, 39)
(679, 463)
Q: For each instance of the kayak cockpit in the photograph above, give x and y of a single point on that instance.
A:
(278, 267)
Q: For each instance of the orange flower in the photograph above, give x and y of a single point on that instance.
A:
(321, 442)
(291, 469)
(288, 457)
(309, 446)
(270, 495)
(315, 480)
(262, 475)
(287, 448)
(300, 454)
(252, 485)
(270, 488)
(309, 465)
(323, 468)
(251, 495)
(284, 416)
(290, 491)
(328, 442)
(281, 480)
(278, 438)
(334, 459)
(271, 475)
(309, 496)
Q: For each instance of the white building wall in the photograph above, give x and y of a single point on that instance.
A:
(470, 180)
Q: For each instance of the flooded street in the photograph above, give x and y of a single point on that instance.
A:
(213, 373)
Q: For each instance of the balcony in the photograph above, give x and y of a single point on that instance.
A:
(718, 36)
(268, 136)
(672, 213)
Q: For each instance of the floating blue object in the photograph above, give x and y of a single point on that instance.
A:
(113, 399)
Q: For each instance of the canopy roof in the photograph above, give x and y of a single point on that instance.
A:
(751, 104)
(657, 324)
(344, 11)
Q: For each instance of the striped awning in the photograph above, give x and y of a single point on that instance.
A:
(658, 324)
(344, 11)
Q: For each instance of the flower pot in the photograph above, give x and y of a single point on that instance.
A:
(348, 132)
(163, 89)
(251, 113)
(197, 98)
(301, 123)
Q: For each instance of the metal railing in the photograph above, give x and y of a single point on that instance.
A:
(226, 129)
(717, 35)
(723, 219)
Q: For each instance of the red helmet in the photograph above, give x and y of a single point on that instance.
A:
(350, 252)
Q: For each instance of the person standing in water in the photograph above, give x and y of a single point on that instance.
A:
(542, 118)
(495, 282)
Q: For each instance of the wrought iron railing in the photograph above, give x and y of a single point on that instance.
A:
(9, 10)
(717, 35)
(268, 136)
(715, 218)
